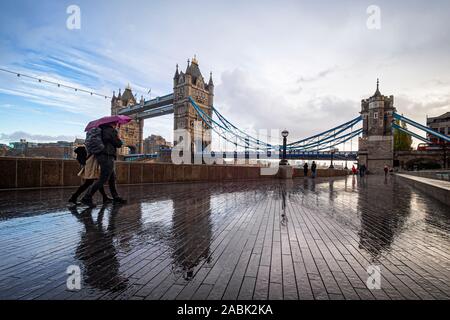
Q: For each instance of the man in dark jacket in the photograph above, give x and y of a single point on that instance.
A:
(105, 159)
(313, 169)
(305, 169)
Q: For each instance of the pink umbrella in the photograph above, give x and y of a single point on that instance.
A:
(120, 119)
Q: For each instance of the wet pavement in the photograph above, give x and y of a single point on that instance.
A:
(300, 239)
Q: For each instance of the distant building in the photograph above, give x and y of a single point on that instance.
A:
(155, 143)
(78, 142)
(376, 146)
(3, 149)
(440, 124)
(132, 132)
(23, 148)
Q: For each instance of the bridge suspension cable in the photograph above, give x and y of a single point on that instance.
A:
(325, 140)
(246, 141)
(216, 127)
(420, 127)
(232, 127)
(412, 134)
(328, 133)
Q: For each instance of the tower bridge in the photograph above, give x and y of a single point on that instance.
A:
(192, 101)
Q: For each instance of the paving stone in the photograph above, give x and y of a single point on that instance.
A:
(271, 239)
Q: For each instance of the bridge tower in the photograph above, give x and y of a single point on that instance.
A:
(376, 146)
(191, 83)
(132, 133)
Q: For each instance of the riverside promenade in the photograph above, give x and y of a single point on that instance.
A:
(264, 239)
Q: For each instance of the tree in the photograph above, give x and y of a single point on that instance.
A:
(402, 140)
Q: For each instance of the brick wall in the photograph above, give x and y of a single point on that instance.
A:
(18, 173)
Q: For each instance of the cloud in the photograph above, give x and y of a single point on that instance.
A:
(318, 76)
(300, 65)
(250, 106)
(417, 110)
(16, 136)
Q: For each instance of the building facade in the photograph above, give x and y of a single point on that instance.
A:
(376, 146)
(3, 149)
(55, 150)
(185, 84)
(440, 124)
(131, 133)
(191, 83)
(154, 143)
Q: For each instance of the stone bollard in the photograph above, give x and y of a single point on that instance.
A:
(285, 172)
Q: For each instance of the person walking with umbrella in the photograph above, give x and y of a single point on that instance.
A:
(89, 177)
(102, 140)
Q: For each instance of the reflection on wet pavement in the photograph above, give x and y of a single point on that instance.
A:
(300, 239)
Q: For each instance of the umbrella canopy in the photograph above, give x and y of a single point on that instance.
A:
(120, 119)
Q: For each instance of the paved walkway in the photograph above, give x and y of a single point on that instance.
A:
(432, 182)
(246, 240)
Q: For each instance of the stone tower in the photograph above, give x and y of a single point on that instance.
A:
(376, 147)
(191, 83)
(131, 133)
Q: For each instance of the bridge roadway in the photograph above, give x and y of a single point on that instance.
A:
(302, 239)
(152, 108)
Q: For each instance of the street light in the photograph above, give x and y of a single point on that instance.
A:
(332, 154)
(346, 158)
(284, 134)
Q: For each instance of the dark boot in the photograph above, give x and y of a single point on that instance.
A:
(88, 202)
(73, 199)
(107, 199)
(119, 200)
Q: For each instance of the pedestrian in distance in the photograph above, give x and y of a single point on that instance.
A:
(313, 170)
(105, 140)
(362, 170)
(354, 171)
(305, 169)
(386, 170)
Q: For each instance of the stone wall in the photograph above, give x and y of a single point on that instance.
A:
(433, 189)
(433, 155)
(378, 153)
(431, 174)
(20, 173)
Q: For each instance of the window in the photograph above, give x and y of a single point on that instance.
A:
(375, 115)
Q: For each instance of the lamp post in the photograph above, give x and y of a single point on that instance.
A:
(332, 154)
(283, 161)
(346, 158)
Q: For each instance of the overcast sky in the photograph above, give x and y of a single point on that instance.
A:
(300, 65)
